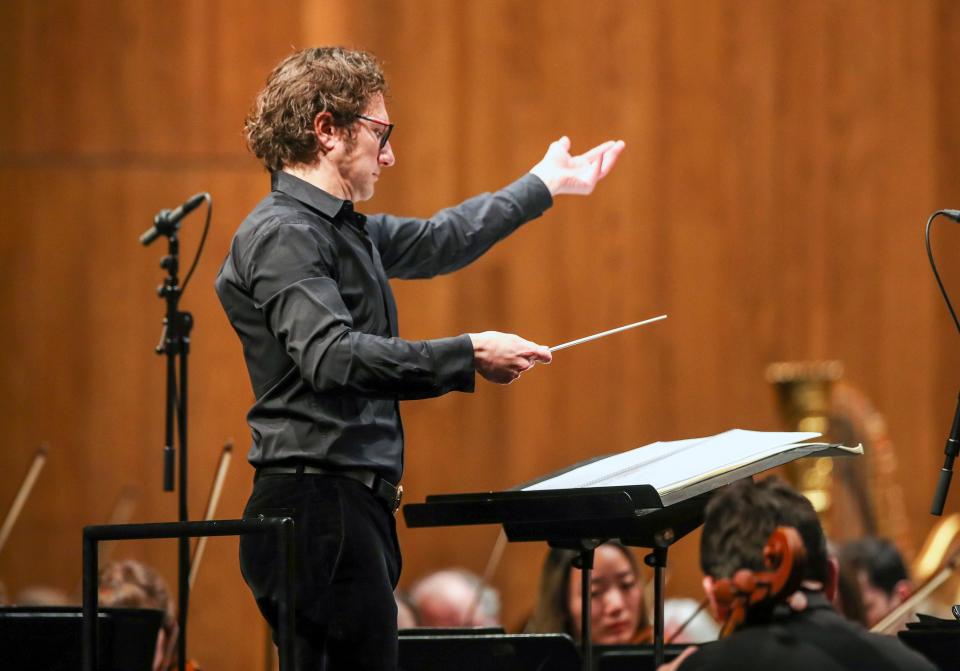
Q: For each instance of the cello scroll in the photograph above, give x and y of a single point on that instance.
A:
(784, 556)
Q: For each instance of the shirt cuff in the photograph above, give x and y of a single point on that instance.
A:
(454, 356)
(531, 194)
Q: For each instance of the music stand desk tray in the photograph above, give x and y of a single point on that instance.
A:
(608, 498)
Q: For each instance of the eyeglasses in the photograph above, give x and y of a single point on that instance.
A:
(385, 136)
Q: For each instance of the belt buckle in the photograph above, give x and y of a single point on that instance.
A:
(397, 499)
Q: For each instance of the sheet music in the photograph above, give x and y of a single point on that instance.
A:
(668, 464)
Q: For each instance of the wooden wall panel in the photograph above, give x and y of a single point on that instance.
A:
(756, 203)
(116, 111)
(85, 377)
(781, 159)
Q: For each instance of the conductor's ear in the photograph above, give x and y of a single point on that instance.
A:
(327, 133)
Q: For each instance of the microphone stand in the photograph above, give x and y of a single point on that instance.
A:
(952, 448)
(175, 344)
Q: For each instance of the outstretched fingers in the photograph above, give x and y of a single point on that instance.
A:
(609, 158)
(597, 152)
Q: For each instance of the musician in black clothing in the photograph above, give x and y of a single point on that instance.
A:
(881, 575)
(805, 632)
(306, 287)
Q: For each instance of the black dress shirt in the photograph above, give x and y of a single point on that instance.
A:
(817, 638)
(305, 287)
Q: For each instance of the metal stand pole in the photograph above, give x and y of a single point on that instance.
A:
(282, 527)
(90, 593)
(175, 345)
(585, 563)
(658, 560)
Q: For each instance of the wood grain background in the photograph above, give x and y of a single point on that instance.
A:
(781, 160)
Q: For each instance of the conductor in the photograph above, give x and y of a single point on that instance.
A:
(305, 286)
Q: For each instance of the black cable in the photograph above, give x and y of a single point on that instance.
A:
(933, 265)
(953, 442)
(203, 239)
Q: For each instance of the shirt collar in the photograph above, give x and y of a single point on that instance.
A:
(816, 600)
(336, 209)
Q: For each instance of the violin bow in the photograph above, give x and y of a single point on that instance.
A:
(214, 499)
(216, 488)
(894, 616)
(686, 623)
(121, 513)
(495, 556)
(29, 480)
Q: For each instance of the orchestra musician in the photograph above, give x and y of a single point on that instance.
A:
(881, 575)
(305, 286)
(848, 601)
(618, 615)
(455, 598)
(801, 632)
(132, 584)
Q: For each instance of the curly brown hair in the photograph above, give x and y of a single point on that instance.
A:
(340, 81)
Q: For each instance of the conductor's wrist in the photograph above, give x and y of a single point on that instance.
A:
(549, 178)
(481, 346)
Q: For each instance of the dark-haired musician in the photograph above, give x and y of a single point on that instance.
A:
(881, 575)
(804, 632)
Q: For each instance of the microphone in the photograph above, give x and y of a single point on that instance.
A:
(164, 223)
(951, 451)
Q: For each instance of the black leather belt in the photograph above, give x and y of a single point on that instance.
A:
(391, 494)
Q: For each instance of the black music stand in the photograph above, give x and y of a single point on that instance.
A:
(582, 518)
(469, 651)
(49, 638)
(934, 638)
(576, 519)
(634, 657)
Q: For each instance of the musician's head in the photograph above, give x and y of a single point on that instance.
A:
(616, 593)
(455, 598)
(132, 584)
(739, 521)
(880, 573)
(322, 112)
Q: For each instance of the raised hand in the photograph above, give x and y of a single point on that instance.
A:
(502, 357)
(566, 174)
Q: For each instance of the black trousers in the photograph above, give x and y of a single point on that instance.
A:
(347, 563)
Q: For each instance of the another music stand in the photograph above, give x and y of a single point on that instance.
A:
(633, 657)
(48, 638)
(478, 652)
